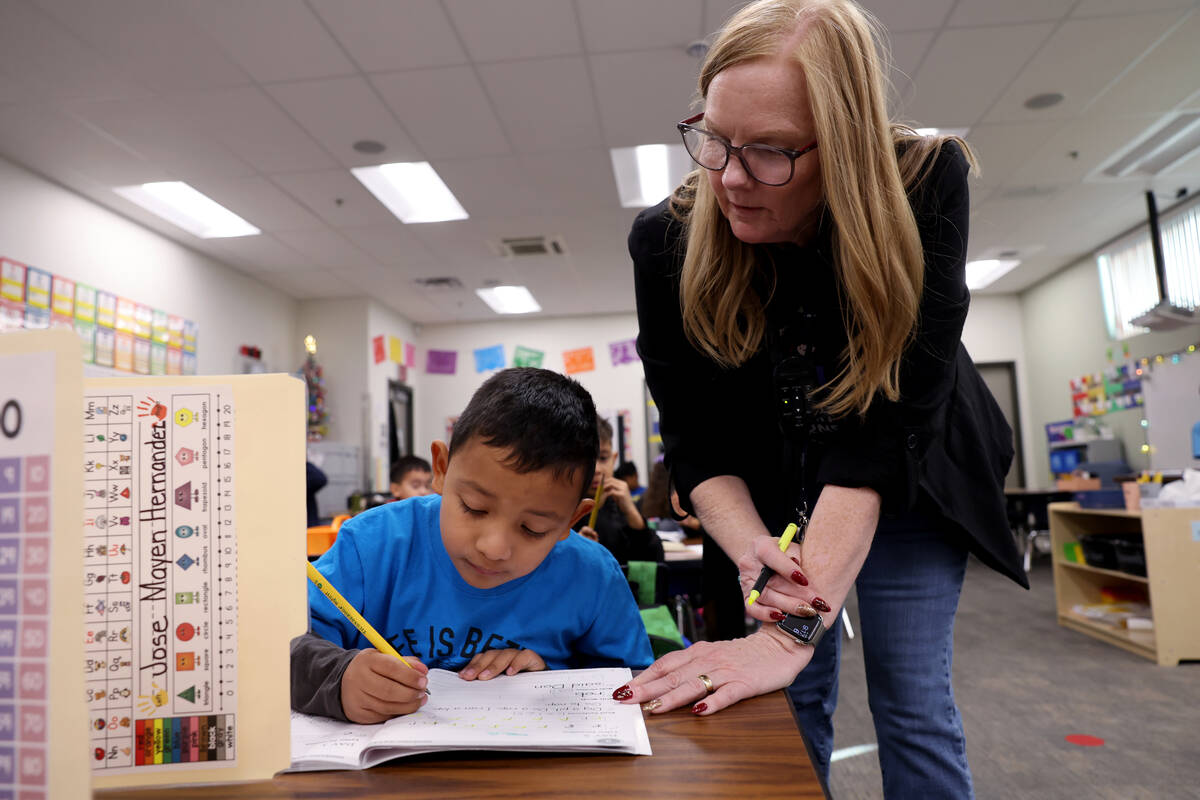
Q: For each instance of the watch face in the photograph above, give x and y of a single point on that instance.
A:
(803, 629)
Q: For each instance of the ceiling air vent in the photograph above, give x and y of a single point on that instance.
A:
(435, 284)
(521, 246)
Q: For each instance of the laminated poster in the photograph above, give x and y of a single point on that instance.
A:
(160, 578)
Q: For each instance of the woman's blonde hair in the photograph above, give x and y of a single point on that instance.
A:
(876, 247)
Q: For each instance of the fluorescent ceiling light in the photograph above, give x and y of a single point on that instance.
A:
(649, 172)
(412, 191)
(959, 132)
(986, 271)
(182, 205)
(509, 299)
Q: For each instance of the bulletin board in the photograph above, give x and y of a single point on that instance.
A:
(1172, 398)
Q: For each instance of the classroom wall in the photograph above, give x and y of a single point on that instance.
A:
(1065, 337)
(612, 388)
(383, 321)
(340, 327)
(47, 226)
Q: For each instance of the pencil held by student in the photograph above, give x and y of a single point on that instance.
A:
(483, 577)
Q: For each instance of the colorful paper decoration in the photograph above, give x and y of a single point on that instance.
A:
(528, 357)
(395, 350)
(1115, 389)
(160, 331)
(378, 349)
(189, 341)
(441, 362)
(489, 358)
(106, 310)
(624, 352)
(410, 354)
(579, 360)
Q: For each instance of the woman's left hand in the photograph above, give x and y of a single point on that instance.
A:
(760, 663)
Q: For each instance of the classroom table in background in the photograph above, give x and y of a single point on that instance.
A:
(752, 749)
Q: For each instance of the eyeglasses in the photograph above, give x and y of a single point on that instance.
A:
(773, 166)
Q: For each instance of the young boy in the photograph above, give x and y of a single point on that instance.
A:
(483, 577)
(411, 477)
(620, 527)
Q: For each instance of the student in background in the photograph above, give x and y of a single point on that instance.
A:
(314, 481)
(619, 525)
(483, 576)
(411, 477)
(628, 472)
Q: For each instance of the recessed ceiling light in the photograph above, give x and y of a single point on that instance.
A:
(649, 172)
(182, 205)
(1044, 100)
(412, 191)
(986, 271)
(369, 146)
(509, 299)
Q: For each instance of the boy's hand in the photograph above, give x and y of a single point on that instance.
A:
(588, 533)
(491, 663)
(377, 687)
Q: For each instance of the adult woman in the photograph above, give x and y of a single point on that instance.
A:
(801, 301)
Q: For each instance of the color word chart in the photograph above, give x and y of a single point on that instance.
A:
(160, 576)
(26, 440)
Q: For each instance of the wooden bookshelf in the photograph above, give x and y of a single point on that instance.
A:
(1172, 541)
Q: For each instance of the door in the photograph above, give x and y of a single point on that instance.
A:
(1001, 379)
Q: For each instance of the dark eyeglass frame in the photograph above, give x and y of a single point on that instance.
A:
(689, 124)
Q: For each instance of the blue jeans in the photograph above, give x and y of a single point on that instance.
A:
(907, 595)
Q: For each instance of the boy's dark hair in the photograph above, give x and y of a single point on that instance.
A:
(545, 420)
(627, 469)
(407, 464)
(604, 429)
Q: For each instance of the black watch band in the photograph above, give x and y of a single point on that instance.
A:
(805, 630)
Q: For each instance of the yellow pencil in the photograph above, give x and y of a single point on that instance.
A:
(596, 505)
(765, 575)
(349, 612)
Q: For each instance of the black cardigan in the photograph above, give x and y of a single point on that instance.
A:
(944, 446)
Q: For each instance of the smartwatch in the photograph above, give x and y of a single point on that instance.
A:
(805, 630)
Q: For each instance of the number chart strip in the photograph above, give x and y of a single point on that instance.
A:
(160, 577)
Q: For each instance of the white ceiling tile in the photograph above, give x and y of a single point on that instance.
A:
(40, 61)
(489, 186)
(1095, 8)
(614, 25)
(326, 247)
(1004, 148)
(908, 50)
(967, 68)
(445, 111)
(151, 40)
(162, 136)
(1073, 66)
(390, 243)
(384, 35)
(494, 31)
(335, 196)
(1165, 76)
(910, 15)
(461, 244)
(260, 202)
(559, 115)
(988, 12)
(250, 124)
(580, 180)
(341, 111)
(1094, 139)
(273, 40)
(642, 95)
(309, 284)
(263, 253)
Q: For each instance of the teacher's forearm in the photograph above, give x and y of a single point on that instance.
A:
(727, 513)
(837, 542)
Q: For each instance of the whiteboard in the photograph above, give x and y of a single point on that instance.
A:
(1172, 398)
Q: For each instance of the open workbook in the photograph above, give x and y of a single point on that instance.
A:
(559, 710)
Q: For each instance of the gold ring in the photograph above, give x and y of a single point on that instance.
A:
(708, 684)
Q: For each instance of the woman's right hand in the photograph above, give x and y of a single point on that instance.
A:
(377, 687)
(785, 591)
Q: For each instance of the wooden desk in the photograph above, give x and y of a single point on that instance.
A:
(753, 749)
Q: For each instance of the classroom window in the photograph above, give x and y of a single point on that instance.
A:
(1127, 280)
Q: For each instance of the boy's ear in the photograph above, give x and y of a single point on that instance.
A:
(584, 508)
(440, 460)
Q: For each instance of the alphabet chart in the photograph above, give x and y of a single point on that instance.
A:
(26, 442)
(160, 577)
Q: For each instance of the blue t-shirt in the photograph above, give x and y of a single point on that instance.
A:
(574, 610)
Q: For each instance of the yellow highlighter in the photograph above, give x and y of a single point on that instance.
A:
(350, 613)
(765, 574)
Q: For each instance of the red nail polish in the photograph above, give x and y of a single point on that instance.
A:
(624, 693)
(777, 615)
(820, 605)
(799, 578)
(795, 561)
(699, 708)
